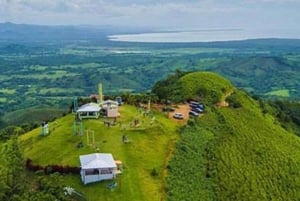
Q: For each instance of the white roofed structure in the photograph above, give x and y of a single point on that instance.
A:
(109, 103)
(111, 108)
(89, 110)
(97, 167)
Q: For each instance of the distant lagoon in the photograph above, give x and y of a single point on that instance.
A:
(193, 36)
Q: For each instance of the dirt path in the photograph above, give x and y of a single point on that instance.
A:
(224, 103)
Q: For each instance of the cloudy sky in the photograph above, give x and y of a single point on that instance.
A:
(268, 16)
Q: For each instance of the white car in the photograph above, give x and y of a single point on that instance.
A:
(178, 115)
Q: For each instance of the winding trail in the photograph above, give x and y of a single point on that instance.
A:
(223, 103)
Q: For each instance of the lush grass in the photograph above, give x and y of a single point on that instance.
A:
(47, 75)
(238, 154)
(149, 149)
(3, 100)
(30, 115)
(8, 91)
(205, 85)
(187, 178)
(256, 159)
(281, 92)
(60, 91)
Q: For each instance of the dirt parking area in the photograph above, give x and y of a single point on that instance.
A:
(183, 109)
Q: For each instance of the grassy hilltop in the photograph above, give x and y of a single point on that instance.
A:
(144, 158)
(235, 151)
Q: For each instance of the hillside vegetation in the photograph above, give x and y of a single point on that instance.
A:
(235, 153)
(208, 86)
(49, 65)
(264, 75)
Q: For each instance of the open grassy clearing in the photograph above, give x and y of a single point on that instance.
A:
(33, 114)
(46, 75)
(3, 100)
(84, 66)
(281, 93)
(60, 90)
(4, 78)
(8, 91)
(151, 143)
(38, 68)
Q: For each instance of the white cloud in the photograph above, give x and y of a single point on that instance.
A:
(181, 14)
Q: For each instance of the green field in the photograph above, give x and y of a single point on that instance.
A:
(150, 146)
(3, 100)
(60, 90)
(33, 114)
(8, 91)
(47, 75)
(280, 93)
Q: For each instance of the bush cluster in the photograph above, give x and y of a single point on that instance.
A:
(49, 169)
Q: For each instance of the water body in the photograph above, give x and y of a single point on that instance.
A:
(198, 36)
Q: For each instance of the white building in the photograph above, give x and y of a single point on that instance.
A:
(88, 111)
(111, 108)
(97, 167)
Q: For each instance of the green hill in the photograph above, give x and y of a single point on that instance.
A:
(263, 75)
(239, 152)
(144, 158)
(235, 153)
(205, 86)
(33, 114)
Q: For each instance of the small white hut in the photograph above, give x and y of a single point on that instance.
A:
(88, 111)
(111, 108)
(97, 167)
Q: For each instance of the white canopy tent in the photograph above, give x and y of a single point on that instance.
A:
(89, 110)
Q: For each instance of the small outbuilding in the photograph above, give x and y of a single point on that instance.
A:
(89, 111)
(111, 108)
(97, 167)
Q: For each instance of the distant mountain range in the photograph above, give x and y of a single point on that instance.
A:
(29, 34)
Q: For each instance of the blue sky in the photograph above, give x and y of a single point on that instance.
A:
(268, 16)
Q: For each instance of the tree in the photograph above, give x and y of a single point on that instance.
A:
(12, 169)
(169, 88)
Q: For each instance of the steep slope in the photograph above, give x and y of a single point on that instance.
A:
(235, 153)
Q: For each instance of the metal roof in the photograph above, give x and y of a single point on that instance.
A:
(97, 161)
(89, 107)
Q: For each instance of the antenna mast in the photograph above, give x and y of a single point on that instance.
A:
(100, 91)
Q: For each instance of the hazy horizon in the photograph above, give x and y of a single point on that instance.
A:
(270, 18)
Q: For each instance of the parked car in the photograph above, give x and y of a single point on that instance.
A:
(197, 105)
(177, 115)
(193, 113)
(198, 110)
(194, 102)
